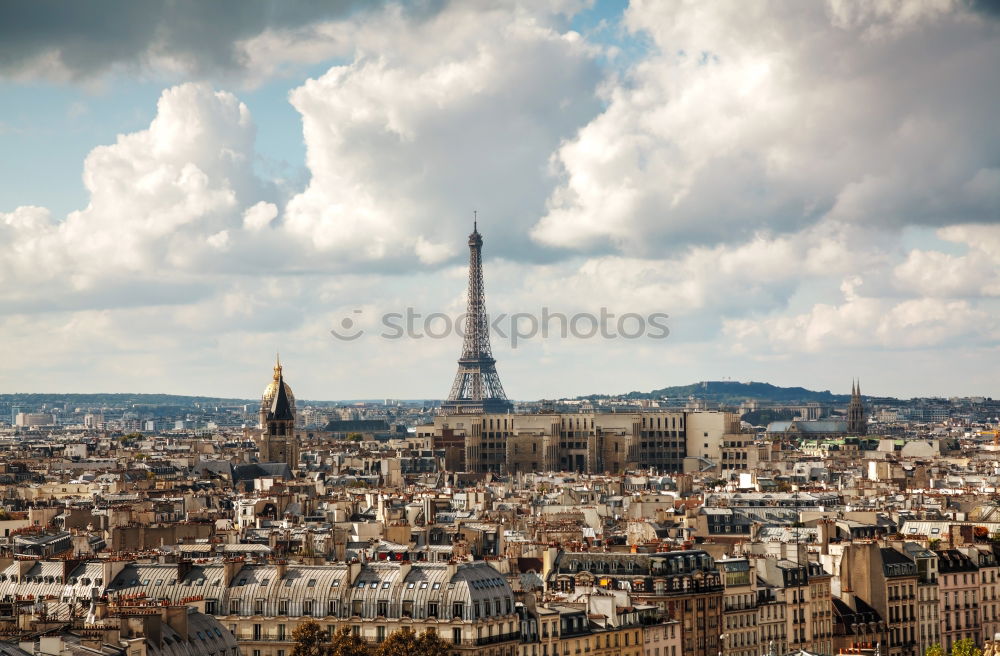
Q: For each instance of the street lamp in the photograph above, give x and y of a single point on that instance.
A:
(722, 638)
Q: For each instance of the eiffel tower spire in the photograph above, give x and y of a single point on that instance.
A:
(477, 387)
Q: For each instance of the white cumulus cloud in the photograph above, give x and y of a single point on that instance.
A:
(780, 114)
(417, 132)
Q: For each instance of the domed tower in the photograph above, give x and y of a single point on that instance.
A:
(278, 441)
(271, 392)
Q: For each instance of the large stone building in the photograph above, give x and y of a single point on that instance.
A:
(670, 441)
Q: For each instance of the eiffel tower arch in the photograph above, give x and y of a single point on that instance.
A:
(477, 388)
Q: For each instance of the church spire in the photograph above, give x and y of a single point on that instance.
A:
(857, 422)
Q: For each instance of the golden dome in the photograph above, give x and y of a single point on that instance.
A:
(272, 390)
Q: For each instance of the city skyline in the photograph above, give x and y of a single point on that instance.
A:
(809, 203)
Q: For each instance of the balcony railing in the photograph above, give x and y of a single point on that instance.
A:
(500, 637)
(263, 637)
(287, 639)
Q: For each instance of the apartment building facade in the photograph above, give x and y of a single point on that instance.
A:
(959, 588)
(740, 630)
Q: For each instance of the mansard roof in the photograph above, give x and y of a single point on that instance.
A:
(273, 589)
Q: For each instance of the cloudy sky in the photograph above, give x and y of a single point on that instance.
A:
(810, 191)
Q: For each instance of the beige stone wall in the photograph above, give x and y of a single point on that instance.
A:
(591, 442)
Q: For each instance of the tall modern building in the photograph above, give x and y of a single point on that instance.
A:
(857, 423)
(477, 387)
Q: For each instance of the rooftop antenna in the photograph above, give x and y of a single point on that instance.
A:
(475, 220)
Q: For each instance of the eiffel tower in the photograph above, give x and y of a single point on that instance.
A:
(477, 387)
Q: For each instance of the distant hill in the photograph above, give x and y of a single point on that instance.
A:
(733, 392)
(720, 391)
(117, 400)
